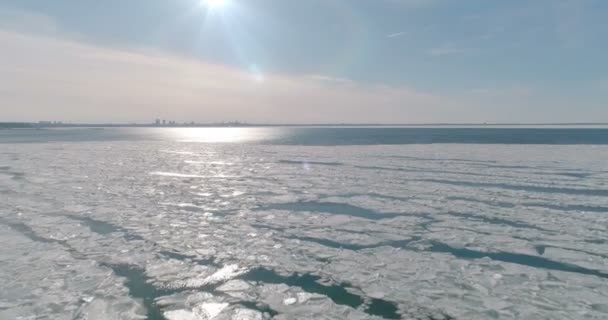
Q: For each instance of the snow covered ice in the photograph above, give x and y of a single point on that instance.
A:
(166, 230)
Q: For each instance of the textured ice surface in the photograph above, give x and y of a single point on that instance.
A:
(159, 230)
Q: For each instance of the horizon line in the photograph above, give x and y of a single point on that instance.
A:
(246, 124)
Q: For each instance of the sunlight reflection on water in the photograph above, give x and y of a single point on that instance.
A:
(222, 135)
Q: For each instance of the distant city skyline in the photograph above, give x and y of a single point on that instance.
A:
(171, 123)
(317, 61)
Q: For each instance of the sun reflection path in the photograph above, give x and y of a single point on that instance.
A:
(223, 135)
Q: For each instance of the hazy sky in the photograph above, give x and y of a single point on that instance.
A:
(312, 61)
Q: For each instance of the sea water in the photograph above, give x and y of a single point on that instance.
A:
(304, 223)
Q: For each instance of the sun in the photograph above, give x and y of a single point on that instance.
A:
(215, 3)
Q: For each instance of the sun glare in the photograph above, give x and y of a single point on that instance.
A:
(214, 3)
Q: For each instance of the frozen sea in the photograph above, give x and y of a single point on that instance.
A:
(304, 223)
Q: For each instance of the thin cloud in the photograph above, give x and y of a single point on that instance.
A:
(448, 49)
(396, 34)
(46, 78)
(331, 80)
(511, 92)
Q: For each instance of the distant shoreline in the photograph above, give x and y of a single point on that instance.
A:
(33, 125)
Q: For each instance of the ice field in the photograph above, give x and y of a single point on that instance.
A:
(189, 230)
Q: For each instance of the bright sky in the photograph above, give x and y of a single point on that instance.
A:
(313, 61)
